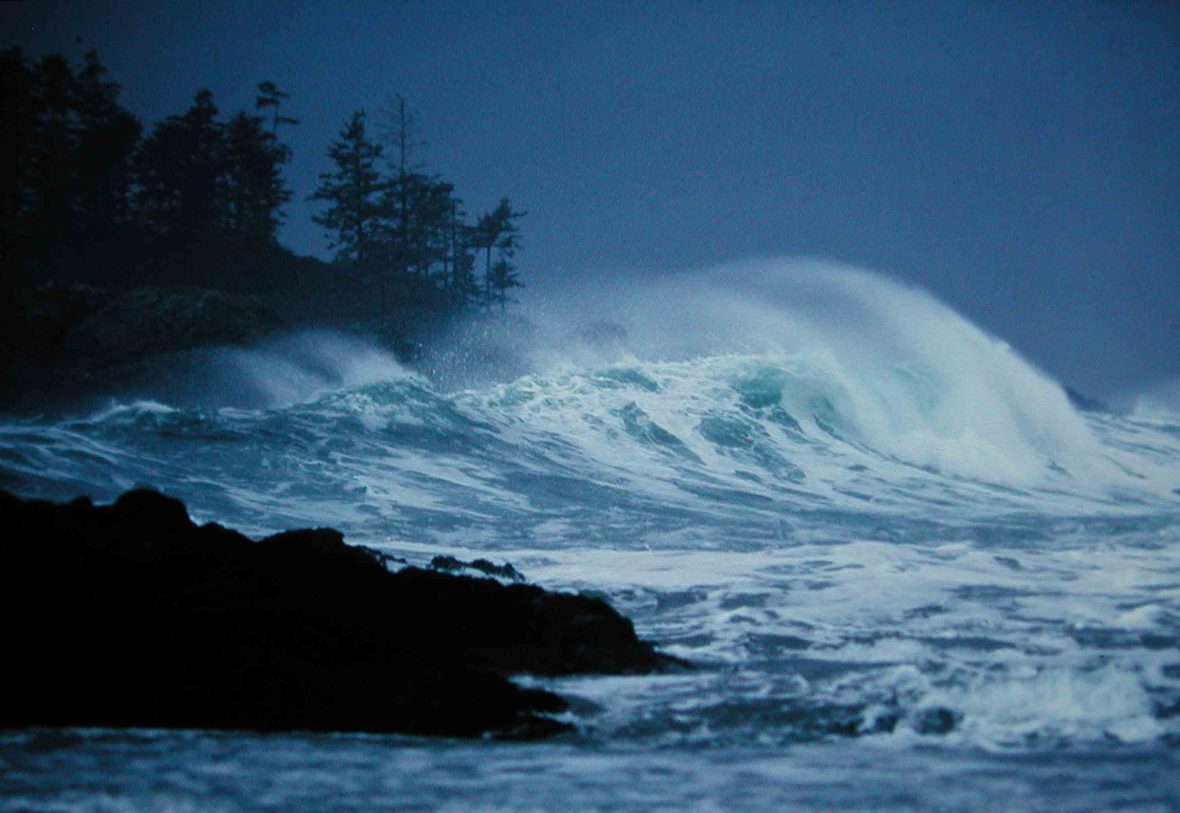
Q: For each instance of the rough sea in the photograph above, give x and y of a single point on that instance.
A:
(912, 575)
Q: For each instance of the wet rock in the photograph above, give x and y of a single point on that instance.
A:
(449, 564)
(145, 321)
(937, 720)
(75, 343)
(75, 325)
(132, 615)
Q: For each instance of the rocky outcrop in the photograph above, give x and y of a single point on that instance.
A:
(449, 564)
(76, 339)
(132, 615)
(137, 323)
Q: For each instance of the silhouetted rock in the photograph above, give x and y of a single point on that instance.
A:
(80, 324)
(131, 615)
(74, 340)
(144, 321)
(449, 564)
(48, 317)
(937, 720)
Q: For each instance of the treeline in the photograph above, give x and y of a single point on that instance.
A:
(85, 188)
(389, 218)
(91, 195)
(67, 153)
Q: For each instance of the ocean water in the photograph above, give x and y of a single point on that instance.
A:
(912, 575)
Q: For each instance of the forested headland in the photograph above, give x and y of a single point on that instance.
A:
(101, 213)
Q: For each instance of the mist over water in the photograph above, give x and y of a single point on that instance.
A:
(277, 373)
(895, 369)
(881, 532)
(1159, 403)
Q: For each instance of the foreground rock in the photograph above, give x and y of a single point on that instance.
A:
(131, 615)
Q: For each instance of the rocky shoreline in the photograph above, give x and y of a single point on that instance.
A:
(77, 342)
(132, 615)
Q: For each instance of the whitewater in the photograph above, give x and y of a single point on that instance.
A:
(912, 574)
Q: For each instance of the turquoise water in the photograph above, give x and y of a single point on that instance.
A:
(914, 577)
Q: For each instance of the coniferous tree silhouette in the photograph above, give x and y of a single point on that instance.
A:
(85, 197)
(270, 97)
(179, 176)
(461, 282)
(52, 164)
(498, 230)
(18, 129)
(402, 190)
(253, 179)
(67, 151)
(351, 190)
(107, 137)
(417, 208)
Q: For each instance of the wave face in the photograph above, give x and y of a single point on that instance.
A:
(860, 511)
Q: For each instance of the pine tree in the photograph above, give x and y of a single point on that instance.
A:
(503, 276)
(18, 121)
(351, 191)
(425, 224)
(52, 165)
(459, 267)
(67, 145)
(19, 115)
(498, 230)
(269, 96)
(107, 136)
(405, 190)
(179, 172)
(254, 188)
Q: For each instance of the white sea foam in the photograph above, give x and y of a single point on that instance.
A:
(857, 510)
(893, 367)
(1159, 403)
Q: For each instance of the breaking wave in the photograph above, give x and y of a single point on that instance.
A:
(864, 513)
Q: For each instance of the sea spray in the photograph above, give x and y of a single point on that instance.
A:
(892, 367)
(863, 516)
(277, 372)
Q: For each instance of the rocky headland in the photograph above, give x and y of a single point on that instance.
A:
(132, 615)
(74, 341)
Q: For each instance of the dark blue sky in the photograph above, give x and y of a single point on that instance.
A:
(1022, 161)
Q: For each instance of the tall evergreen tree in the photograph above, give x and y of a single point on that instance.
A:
(107, 138)
(18, 121)
(459, 267)
(254, 187)
(19, 116)
(405, 191)
(416, 212)
(68, 146)
(502, 277)
(271, 98)
(352, 191)
(52, 165)
(180, 174)
(498, 230)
